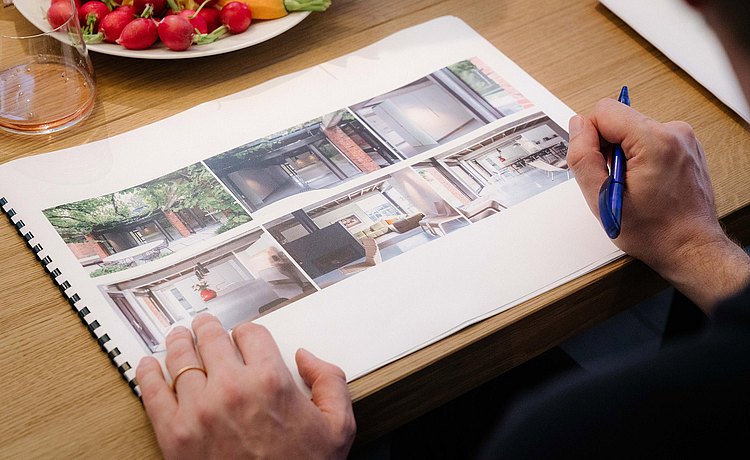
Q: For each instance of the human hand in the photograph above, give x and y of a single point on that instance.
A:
(668, 218)
(246, 404)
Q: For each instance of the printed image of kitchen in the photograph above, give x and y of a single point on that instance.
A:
(500, 169)
(236, 281)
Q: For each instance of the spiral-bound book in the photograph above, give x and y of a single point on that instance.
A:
(363, 208)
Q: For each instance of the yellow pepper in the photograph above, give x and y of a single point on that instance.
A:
(274, 9)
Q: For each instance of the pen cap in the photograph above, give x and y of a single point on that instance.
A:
(624, 96)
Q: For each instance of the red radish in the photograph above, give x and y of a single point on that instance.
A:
(77, 2)
(139, 34)
(176, 32)
(212, 16)
(197, 21)
(126, 9)
(97, 10)
(159, 6)
(236, 16)
(113, 23)
(58, 13)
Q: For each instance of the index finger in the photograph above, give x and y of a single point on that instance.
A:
(618, 123)
(586, 160)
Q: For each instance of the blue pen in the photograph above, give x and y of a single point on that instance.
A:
(610, 195)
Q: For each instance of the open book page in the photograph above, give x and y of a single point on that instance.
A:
(362, 209)
(682, 35)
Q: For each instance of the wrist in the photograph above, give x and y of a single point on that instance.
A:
(707, 269)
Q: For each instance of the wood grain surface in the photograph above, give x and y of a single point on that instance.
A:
(61, 397)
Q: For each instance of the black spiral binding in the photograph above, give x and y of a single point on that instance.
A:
(73, 299)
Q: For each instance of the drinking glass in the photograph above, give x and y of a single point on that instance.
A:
(46, 77)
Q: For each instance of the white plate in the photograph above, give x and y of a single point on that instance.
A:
(36, 10)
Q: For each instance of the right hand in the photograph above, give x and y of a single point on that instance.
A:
(668, 216)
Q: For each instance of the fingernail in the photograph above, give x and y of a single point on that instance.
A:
(575, 126)
(177, 328)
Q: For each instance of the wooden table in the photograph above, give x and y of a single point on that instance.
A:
(62, 398)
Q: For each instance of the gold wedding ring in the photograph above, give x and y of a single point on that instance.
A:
(192, 367)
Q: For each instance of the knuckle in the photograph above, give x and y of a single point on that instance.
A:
(180, 350)
(207, 415)
(677, 134)
(272, 381)
(602, 104)
(148, 391)
(180, 434)
(232, 394)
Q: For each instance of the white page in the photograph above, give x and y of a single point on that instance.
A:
(683, 36)
(421, 291)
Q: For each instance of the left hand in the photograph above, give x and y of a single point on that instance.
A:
(246, 404)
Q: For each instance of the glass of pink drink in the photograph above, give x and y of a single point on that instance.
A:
(46, 77)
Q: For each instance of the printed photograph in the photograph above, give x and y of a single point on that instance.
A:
(502, 168)
(144, 223)
(440, 107)
(237, 281)
(395, 214)
(318, 154)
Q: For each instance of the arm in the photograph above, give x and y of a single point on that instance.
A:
(246, 403)
(669, 219)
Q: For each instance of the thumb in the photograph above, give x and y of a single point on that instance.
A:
(586, 159)
(329, 390)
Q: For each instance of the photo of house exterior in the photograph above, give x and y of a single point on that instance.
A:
(236, 281)
(502, 168)
(321, 153)
(135, 226)
(440, 107)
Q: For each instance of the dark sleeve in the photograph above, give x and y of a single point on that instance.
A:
(692, 398)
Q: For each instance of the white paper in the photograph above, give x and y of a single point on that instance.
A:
(434, 279)
(683, 36)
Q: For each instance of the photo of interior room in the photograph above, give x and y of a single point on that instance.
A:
(362, 227)
(501, 169)
(236, 281)
(320, 153)
(440, 107)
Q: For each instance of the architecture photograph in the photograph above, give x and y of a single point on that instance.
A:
(321, 153)
(236, 281)
(364, 226)
(440, 107)
(502, 168)
(135, 226)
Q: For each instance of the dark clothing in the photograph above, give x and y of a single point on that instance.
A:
(691, 399)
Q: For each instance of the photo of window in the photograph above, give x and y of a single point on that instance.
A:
(440, 107)
(395, 214)
(236, 281)
(502, 168)
(318, 154)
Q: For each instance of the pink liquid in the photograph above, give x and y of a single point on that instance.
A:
(41, 97)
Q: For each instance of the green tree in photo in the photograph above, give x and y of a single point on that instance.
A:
(189, 188)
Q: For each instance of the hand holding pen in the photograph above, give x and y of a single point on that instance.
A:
(668, 212)
(611, 192)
